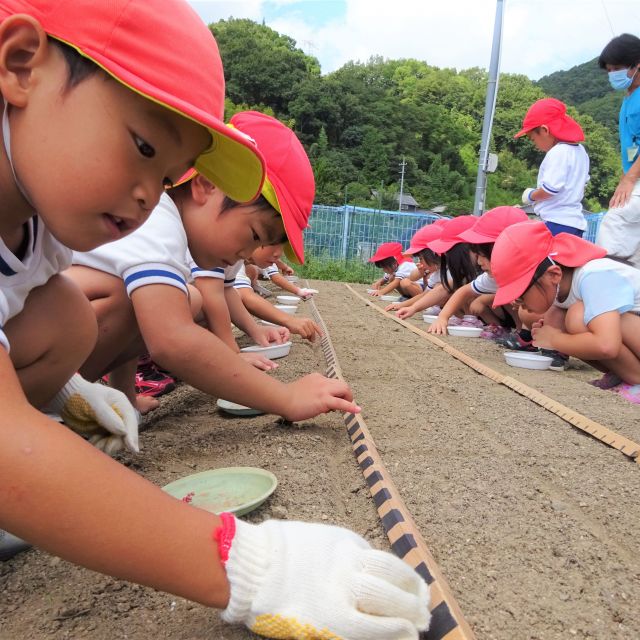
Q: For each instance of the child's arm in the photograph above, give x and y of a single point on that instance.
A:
(201, 359)
(530, 195)
(244, 321)
(392, 284)
(215, 309)
(285, 269)
(394, 306)
(258, 306)
(280, 281)
(53, 483)
(456, 302)
(437, 296)
(378, 283)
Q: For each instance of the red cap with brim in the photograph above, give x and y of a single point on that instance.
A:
(522, 247)
(423, 236)
(387, 250)
(492, 223)
(553, 114)
(289, 186)
(450, 233)
(142, 44)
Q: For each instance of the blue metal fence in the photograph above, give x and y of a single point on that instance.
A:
(353, 233)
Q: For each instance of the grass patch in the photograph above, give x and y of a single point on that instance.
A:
(318, 268)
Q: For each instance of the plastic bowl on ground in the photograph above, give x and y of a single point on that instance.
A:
(390, 298)
(272, 351)
(288, 299)
(526, 360)
(428, 318)
(370, 291)
(292, 278)
(235, 489)
(287, 308)
(269, 324)
(464, 332)
(237, 409)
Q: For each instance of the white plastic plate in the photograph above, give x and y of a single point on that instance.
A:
(526, 360)
(237, 409)
(287, 308)
(464, 332)
(272, 352)
(288, 299)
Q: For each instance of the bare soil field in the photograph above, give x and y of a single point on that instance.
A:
(533, 523)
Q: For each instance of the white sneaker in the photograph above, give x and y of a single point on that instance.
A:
(10, 545)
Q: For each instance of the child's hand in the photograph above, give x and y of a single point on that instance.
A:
(394, 306)
(543, 335)
(526, 195)
(90, 408)
(314, 394)
(305, 327)
(258, 361)
(405, 312)
(264, 336)
(304, 580)
(375, 292)
(305, 293)
(439, 327)
(286, 270)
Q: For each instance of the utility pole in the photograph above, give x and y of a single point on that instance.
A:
(403, 164)
(489, 109)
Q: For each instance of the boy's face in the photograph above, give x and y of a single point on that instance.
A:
(541, 138)
(221, 239)
(94, 159)
(263, 257)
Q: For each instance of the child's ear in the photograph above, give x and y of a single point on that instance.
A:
(555, 273)
(201, 189)
(23, 47)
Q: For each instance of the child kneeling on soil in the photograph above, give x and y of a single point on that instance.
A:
(591, 304)
(455, 262)
(138, 286)
(477, 297)
(149, 113)
(397, 271)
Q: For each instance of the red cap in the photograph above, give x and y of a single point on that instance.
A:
(492, 223)
(450, 233)
(289, 185)
(553, 114)
(423, 236)
(163, 51)
(388, 250)
(522, 247)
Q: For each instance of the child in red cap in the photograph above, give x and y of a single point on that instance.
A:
(477, 297)
(100, 114)
(398, 271)
(456, 266)
(591, 304)
(564, 172)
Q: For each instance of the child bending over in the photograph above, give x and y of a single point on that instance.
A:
(591, 304)
(397, 270)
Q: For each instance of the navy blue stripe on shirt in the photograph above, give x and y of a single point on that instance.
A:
(546, 187)
(5, 269)
(150, 273)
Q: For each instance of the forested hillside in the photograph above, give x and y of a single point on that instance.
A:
(587, 88)
(360, 121)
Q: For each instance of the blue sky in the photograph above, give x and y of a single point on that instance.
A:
(539, 36)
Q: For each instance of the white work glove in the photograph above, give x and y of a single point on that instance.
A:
(300, 580)
(102, 414)
(526, 195)
(306, 293)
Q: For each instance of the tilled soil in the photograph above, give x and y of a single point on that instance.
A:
(534, 524)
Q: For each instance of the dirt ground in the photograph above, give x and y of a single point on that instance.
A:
(533, 523)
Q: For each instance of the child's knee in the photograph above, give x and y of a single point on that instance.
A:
(195, 302)
(477, 307)
(574, 319)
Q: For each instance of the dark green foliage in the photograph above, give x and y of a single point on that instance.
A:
(358, 122)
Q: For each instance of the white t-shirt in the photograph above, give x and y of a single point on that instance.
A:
(604, 285)
(434, 279)
(242, 280)
(405, 269)
(156, 253)
(563, 173)
(484, 284)
(228, 274)
(44, 258)
(268, 272)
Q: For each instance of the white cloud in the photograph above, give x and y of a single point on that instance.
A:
(539, 36)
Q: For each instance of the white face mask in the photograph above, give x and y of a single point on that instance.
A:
(6, 138)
